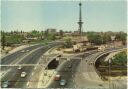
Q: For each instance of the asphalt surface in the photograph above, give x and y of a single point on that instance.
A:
(15, 81)
(67, 73)
(82, 74)
(10, 58)
(13, 76)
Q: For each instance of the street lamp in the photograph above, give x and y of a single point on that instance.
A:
(109, 72)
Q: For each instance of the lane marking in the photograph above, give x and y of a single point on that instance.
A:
(28, 83)
(32, 73)
(35, 68)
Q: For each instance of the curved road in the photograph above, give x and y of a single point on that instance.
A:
(82, 74)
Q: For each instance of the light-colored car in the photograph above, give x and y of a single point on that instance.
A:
(27, 50)
(19, 68)
(23, 74)
(57, 77)
(62, 82)
(5, 84)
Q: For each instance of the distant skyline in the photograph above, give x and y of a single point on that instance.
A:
(64, 15)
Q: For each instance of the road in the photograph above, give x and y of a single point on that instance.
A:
(10, 58)
(13, 76)
(67, 72)
(82, 74)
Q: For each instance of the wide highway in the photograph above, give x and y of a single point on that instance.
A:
(14, 75)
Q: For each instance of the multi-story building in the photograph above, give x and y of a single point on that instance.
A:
(51, 30)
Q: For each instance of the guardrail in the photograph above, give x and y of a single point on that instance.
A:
(100, 55)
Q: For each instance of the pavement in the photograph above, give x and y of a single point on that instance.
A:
(35, 64)
(83, 74)
(16, 49)
(32, 59)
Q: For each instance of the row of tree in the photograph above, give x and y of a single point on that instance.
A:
(103, 38)
(15, 37)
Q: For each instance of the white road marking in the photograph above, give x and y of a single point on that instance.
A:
(27, 83)
(35, 68)
(32, 73)
(25, 55)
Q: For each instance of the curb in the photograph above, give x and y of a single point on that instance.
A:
(101, 56)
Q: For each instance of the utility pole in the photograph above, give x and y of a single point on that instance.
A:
(80, 19)
(109, 71)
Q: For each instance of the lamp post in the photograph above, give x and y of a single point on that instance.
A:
(109, 71)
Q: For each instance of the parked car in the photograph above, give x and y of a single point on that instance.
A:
(23, 74)
(5, 84)
(62, 82)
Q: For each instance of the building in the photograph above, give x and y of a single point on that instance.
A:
(53, 31)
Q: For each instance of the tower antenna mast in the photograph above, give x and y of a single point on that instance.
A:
(80, 19)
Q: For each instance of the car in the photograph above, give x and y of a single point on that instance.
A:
(62, 82)
(57, 77)
(19, 68)
(5, 84)
(23, 74)
(27, 50)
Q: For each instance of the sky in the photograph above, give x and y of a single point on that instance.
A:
(40, 15)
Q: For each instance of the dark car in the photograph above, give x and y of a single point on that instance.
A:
(63, 82)
(5, 84)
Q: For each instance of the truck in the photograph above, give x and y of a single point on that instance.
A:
(101, 48)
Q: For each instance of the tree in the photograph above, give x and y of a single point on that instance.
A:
(106, 38)
(53, 37)
(121, 36)
(68, 43)
(35, 33)
(120, 59)
(95, 38)
(61, 33)
(46, 34)
(42, 33)
(3, 39)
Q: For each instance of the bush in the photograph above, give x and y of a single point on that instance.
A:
(120, 59)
